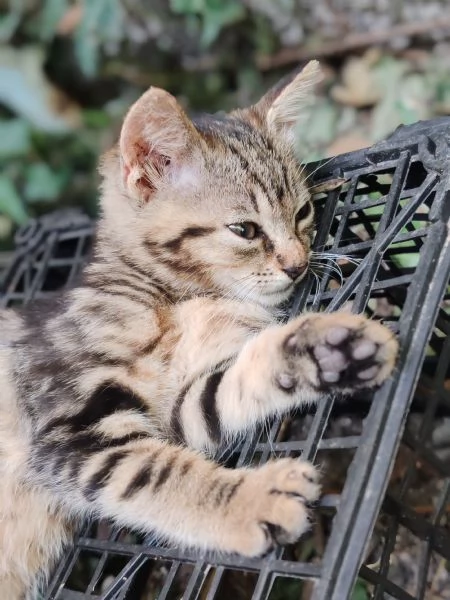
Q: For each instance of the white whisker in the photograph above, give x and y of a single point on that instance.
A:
(333, 269)
(321, 164)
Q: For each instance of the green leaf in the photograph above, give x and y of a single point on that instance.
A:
(389, 75)
(187, 6)
(110, 20)
(415, 99)
(96, 118)
(217, 15)
(15, 139)
(360, 591)
(88, 39)
(11, 204)
(43, 184)
(26, 91)
(102, 21)
(52, 13)
(10, 22)
(86, 49)
(316, 129)
(5, 227)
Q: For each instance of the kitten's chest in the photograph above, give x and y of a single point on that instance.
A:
(195, 337)
(210, 332)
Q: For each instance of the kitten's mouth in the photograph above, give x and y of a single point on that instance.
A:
(285, 292)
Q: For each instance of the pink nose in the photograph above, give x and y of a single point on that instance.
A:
(295, 271)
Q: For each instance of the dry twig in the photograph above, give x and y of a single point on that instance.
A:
(355, 41)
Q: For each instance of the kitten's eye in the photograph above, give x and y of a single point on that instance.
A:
(247, 229)
(304, 212)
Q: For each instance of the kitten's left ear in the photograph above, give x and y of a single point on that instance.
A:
(156, 137)
(283, 106)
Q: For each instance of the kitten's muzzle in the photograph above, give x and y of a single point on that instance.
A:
(295, 271)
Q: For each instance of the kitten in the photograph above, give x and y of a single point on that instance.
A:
(170, 346)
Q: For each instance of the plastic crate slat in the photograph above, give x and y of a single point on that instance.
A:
(384, 585)
(419, 526)
(123, 579)
(385, 422)
(168, 583)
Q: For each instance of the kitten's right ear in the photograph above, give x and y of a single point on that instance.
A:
(282, 107)
(156, 135)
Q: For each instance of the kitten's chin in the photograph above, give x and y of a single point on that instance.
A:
(275, 299)
(267, 298)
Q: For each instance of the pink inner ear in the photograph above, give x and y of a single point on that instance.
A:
(126, 171)
(160, 161)
(150, 166)
(148, 159)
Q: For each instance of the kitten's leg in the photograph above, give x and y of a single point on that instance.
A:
(285, 366)
(153, 486)
(317, 353)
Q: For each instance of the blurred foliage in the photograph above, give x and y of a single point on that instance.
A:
(70, 68)
(360, 590)
(213, 16)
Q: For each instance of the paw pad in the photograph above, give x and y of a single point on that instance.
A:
(337, 335)
(349, 351)
(363, 349)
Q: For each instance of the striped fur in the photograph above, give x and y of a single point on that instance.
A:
(169, 348)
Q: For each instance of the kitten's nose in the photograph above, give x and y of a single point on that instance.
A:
(295, 271)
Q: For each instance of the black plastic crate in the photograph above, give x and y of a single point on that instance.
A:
(390, 218)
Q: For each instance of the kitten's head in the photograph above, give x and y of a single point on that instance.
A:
(214, 205)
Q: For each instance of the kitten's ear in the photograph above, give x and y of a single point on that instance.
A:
(284, 105)
(156, 135)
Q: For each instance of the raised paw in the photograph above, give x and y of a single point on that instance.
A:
(347, 352)
(272, 505)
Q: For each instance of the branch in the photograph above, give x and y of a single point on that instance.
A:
(352, 42)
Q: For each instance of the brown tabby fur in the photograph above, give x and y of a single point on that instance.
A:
(169, 348)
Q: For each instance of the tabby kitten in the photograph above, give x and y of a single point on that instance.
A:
(170, 346)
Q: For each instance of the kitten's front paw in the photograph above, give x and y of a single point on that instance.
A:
(348, 352)
(271, 507)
